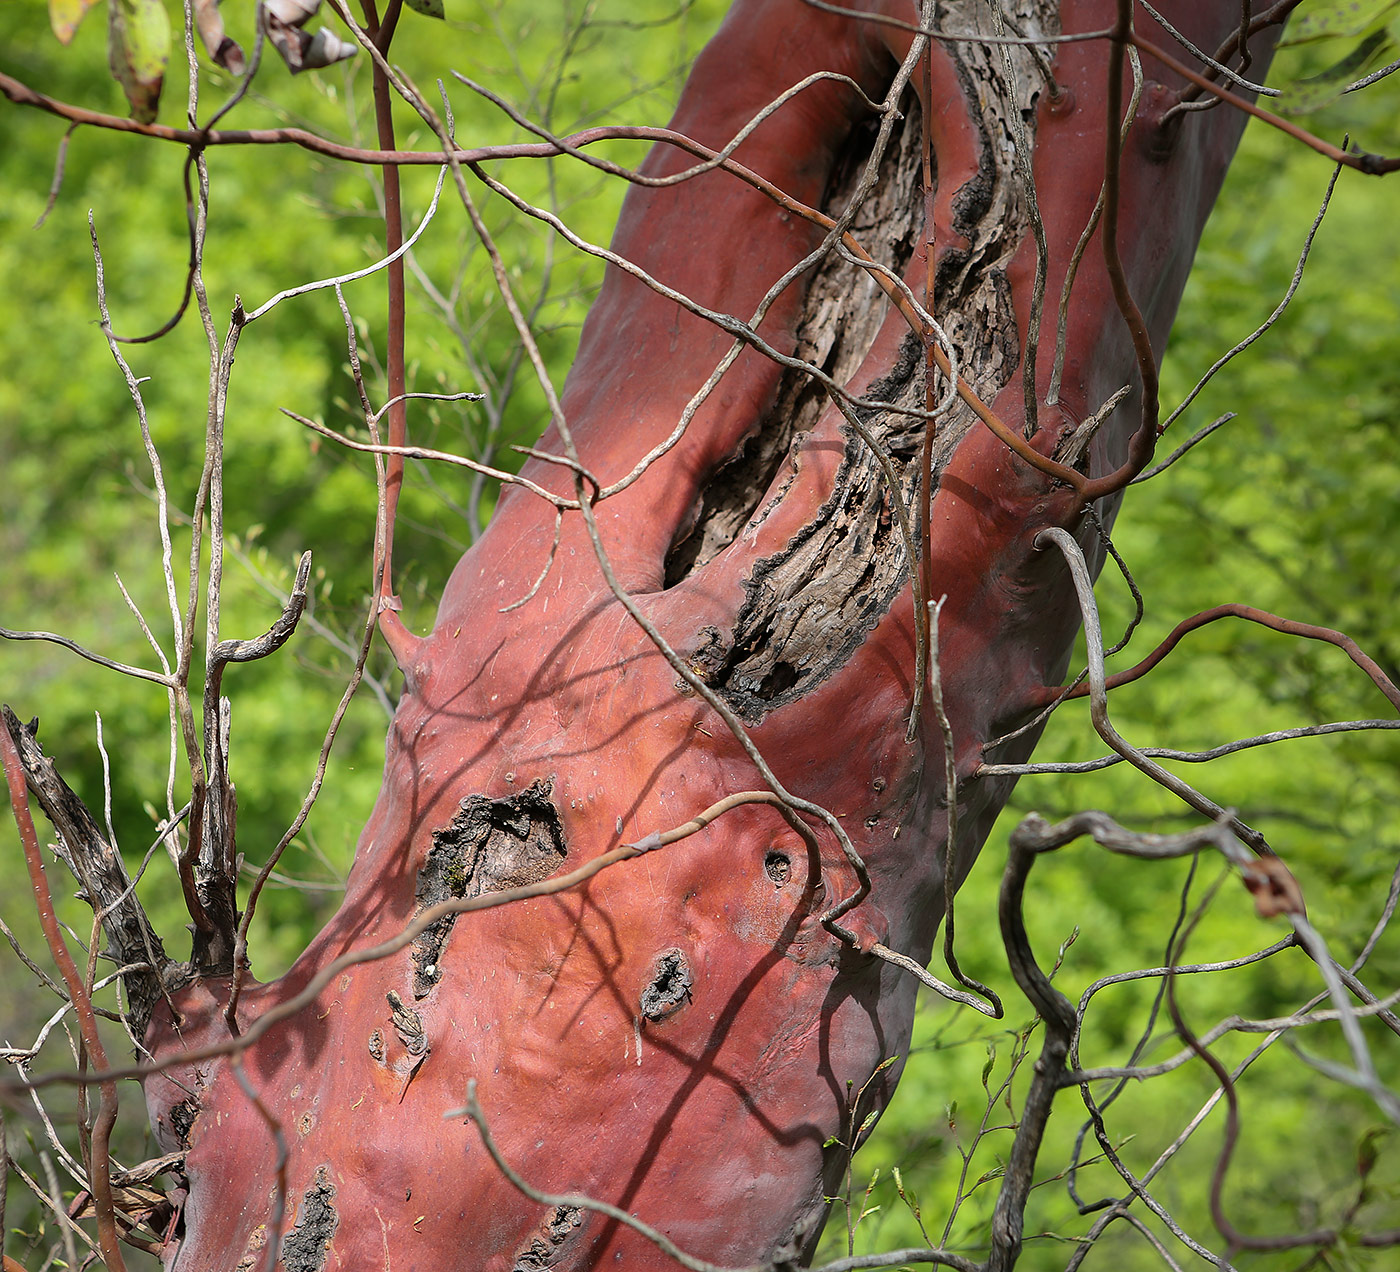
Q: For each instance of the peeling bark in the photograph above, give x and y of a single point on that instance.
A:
(306, 1246)
(488, 846)
(678, 1035)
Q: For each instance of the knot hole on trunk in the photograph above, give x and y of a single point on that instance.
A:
(669, 988)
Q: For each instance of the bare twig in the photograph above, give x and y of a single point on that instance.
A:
(1288, 626)
(138, 673)
(394, 255)
(1361, 161)
(1253, 335)
(1098, 695)
(1197, 437)
(1190, 757)
(950, 785)
(472, 1111)
(1213, 63)
(241, 962)
(60, 162)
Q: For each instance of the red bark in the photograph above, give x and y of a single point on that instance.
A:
(679, 1035)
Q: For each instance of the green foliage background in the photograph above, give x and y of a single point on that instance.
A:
(1291, 507)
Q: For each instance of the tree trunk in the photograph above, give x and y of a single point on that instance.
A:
(681, 1035)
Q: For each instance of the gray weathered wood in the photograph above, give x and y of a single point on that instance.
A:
(100, 871)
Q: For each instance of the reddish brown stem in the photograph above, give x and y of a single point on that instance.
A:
(1288, 626)
(382, 34)
(100, 1165)
(1143, 441)
(1371, 164)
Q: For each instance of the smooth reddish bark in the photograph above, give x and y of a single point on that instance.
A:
(708, 1122)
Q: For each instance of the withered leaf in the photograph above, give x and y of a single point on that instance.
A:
(138, 47)
(64, 16)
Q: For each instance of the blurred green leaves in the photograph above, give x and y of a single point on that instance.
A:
(1350, 37)
(1338, 20)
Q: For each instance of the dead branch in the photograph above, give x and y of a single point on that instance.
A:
(97, 865)
(100, 1163)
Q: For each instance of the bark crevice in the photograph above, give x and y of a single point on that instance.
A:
(808, 607)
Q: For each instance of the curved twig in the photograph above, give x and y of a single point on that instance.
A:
(288, 1008)
(1190, 443)
(1290, 627)
(1253, 335)
(227, 651)
(1098, 694)
(394, 255)
(473, 1113)
(1188, 757)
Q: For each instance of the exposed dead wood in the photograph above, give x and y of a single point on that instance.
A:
(98, 866)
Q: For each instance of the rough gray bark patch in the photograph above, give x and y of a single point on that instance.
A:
(488, 846)
(669, 988)
(408, 1024)
(842, 315)
(304, 1248)
(809, 606)
(543, 1249)
(778, 867)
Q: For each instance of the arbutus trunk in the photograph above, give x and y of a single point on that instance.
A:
(680, 1034)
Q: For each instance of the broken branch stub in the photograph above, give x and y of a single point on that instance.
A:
(691, 996)
(98, 867)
